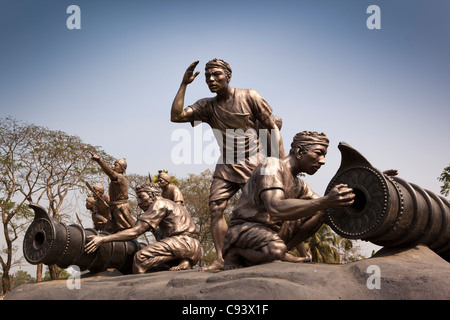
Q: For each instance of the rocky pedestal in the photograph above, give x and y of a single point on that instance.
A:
(416, 273)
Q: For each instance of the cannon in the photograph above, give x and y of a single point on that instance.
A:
(50, 241)
(388, 211)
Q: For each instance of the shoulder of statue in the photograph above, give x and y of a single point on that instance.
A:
(204, 102)
(249, 92)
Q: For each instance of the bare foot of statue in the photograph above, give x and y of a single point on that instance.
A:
(183, 265)
(216, 265)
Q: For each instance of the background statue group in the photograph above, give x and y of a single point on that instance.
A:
(276, 212)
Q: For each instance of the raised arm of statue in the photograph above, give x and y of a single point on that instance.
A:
(106, 169)
(269, 124)
(178, 114)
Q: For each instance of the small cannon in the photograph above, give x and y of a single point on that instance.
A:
(50, 242)
(388, 211)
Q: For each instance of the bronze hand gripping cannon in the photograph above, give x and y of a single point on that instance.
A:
(50, 242)
(388, 211)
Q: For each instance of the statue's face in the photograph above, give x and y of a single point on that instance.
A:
(216, 79)
(144, 200)
(312, 158)
(162, 183)
(89, 205)
(117, 168)
(98, 190)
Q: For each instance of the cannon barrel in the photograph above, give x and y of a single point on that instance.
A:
(50, 241)
(388, 211)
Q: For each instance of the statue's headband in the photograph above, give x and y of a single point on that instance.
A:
(218, 63)
(308, 138)
(148, 188)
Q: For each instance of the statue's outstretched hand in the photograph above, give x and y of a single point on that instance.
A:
(340, 196)
(94, 243)
(189, 75)
(94, 157)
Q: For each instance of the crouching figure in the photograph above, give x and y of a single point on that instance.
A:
(177, 246)
(278, 211)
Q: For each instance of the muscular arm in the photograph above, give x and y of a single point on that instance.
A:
(177, 113)
(270, 125)
(124, 235)
(106, 169)
(291, 209)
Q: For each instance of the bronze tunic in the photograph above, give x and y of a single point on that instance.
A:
(235, 119)
(175, 232)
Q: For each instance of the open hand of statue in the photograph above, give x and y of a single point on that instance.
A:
(94, 243)
(189, 75)
(94, 156)
(341, 196)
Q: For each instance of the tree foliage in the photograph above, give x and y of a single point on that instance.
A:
(18, 278)
(42, 166)
(327, 246)
(195, 190)
(445, 179)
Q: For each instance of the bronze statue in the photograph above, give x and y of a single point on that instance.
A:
(90, 204)
(119, 207)
(98, 221)
(169, 190)
(278, 211)
(231, 112)
(99, 207)
(177, 246)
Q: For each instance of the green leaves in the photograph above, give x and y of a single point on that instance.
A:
(445, 178)
(327, 246)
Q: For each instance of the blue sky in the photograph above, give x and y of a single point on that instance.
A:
(385, 92)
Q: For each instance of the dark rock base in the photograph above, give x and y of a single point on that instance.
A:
(412, 274)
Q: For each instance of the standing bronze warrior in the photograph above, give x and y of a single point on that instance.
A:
(231, 111)
(119, 207)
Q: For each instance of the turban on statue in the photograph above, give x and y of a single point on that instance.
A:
(164, 176)
(219, 63)
(307, 138)
(148, 188)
